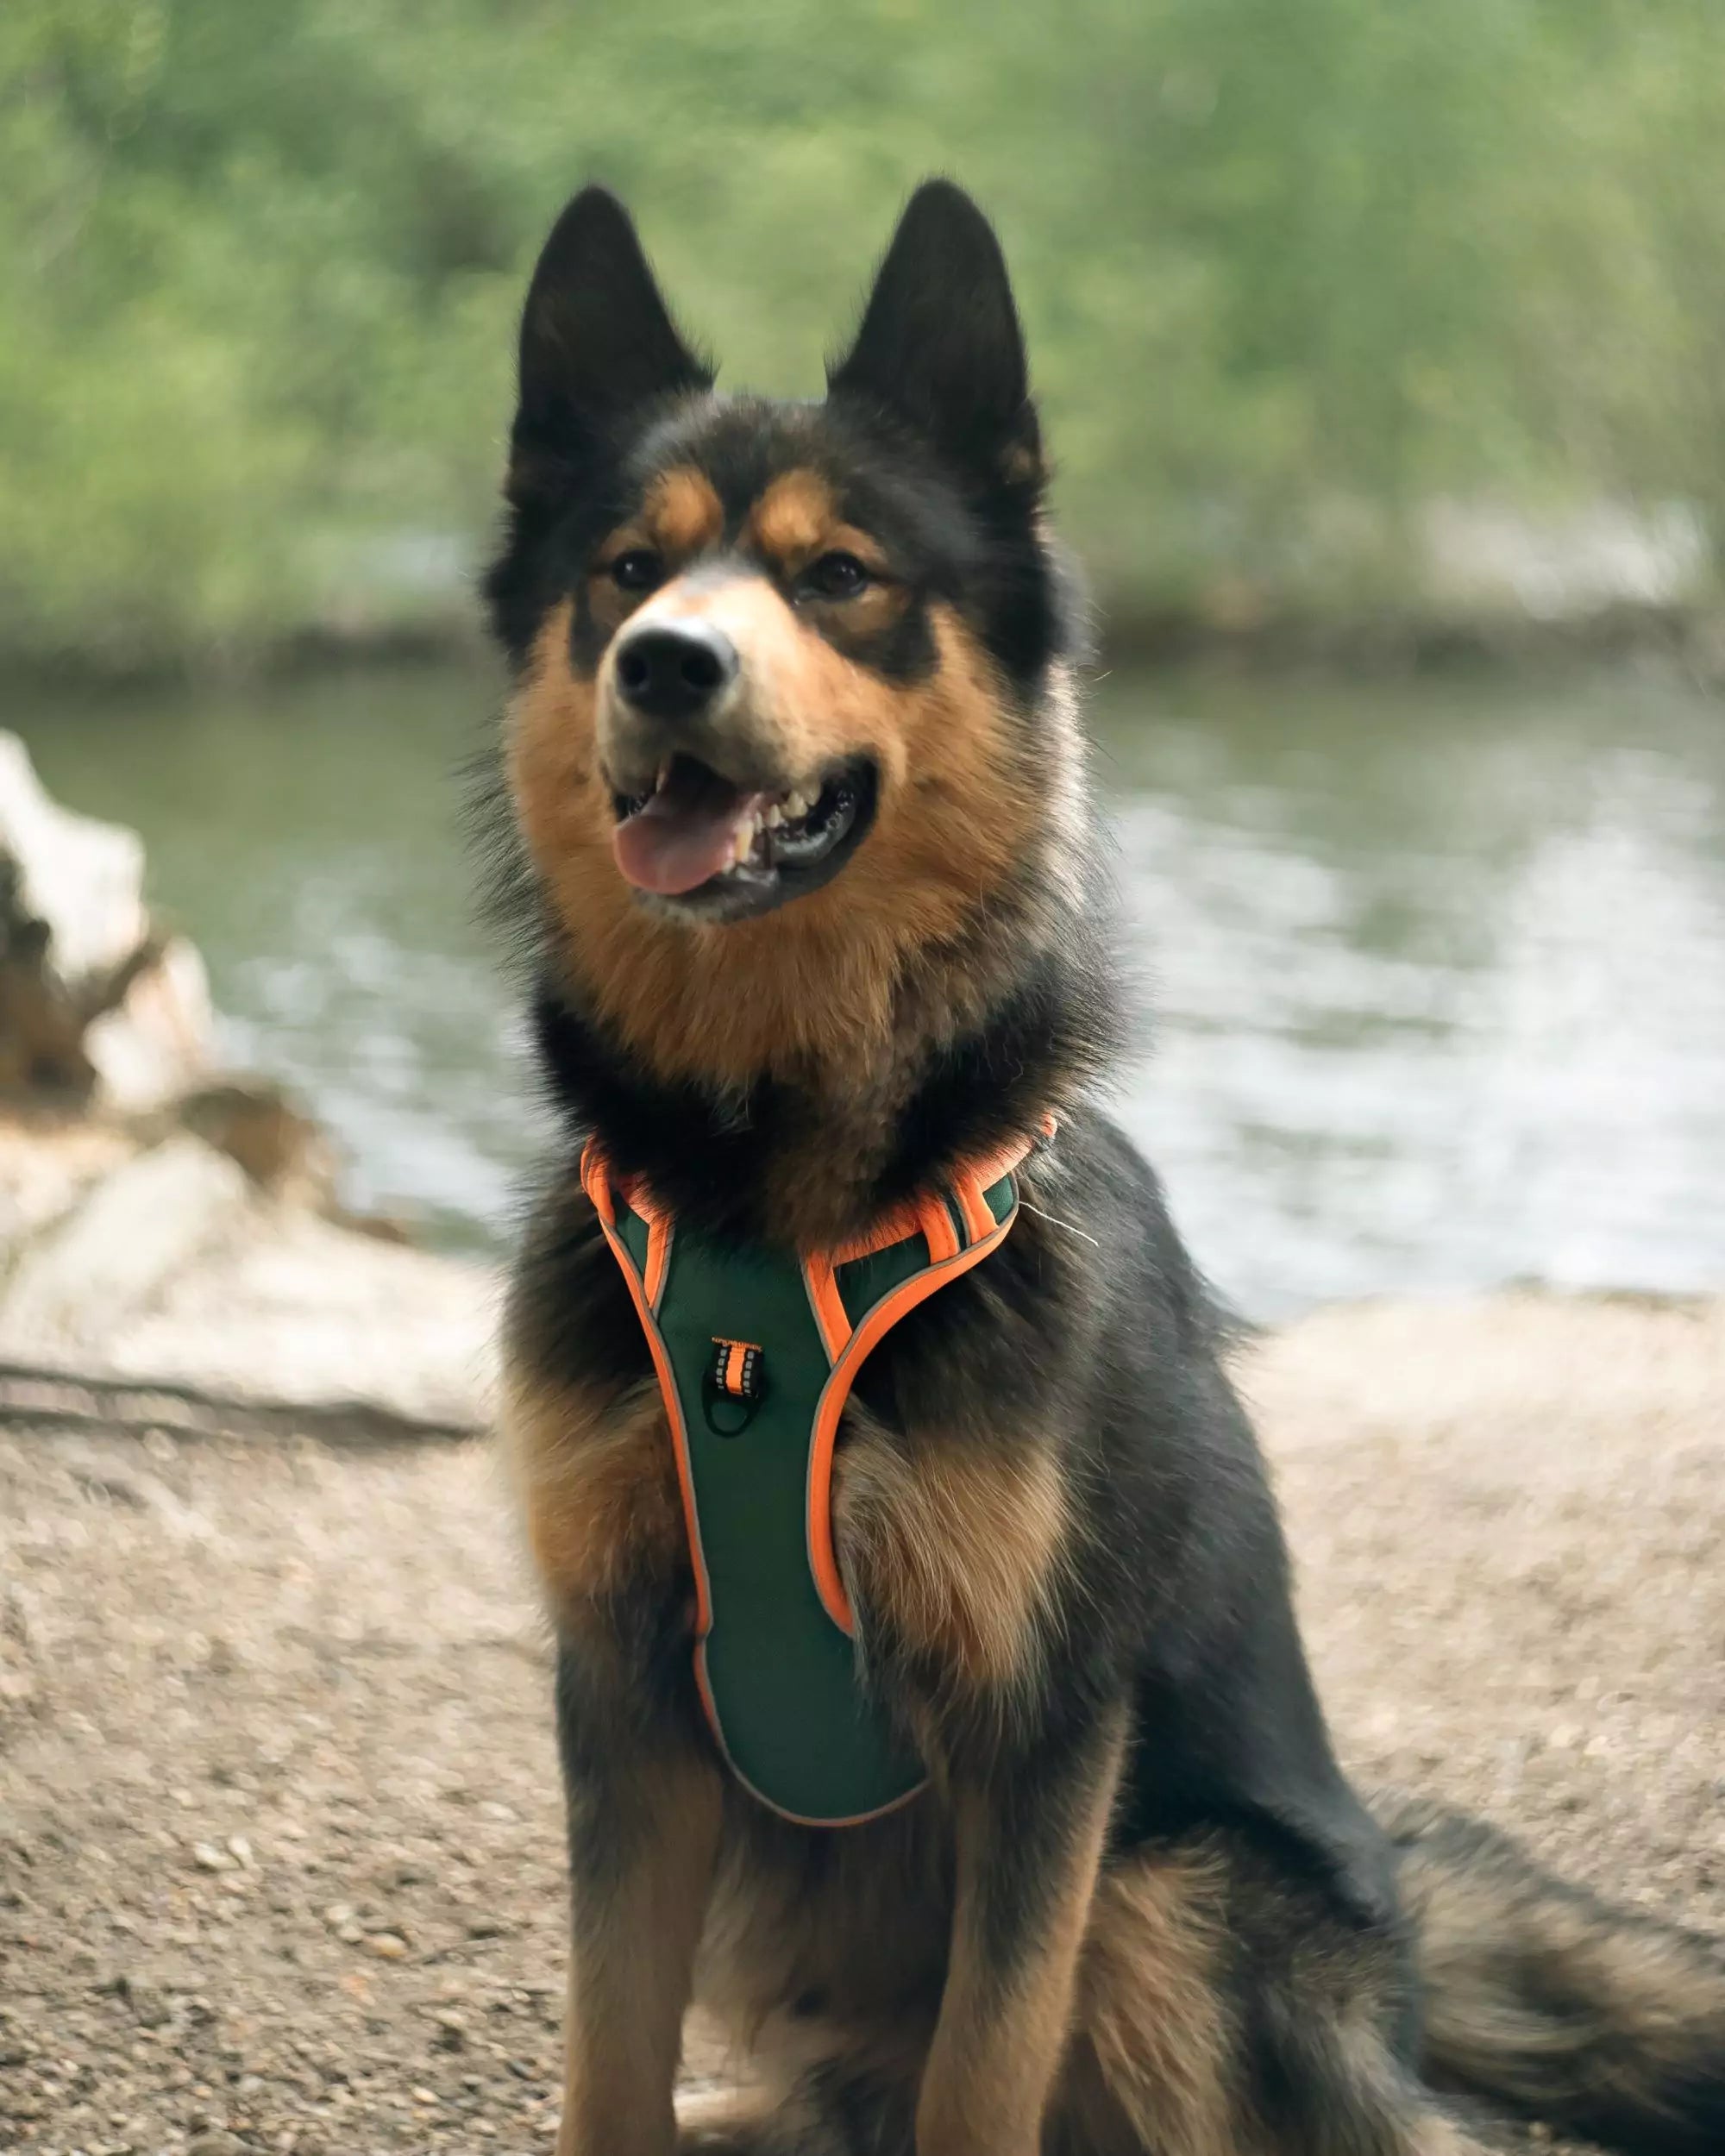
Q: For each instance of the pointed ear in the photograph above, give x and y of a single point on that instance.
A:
(940, 345)
(596, 338)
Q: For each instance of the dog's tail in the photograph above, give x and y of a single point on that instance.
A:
(1543, 1998)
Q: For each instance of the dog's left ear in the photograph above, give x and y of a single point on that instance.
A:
(940, 344)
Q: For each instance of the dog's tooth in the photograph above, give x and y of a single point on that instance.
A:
(773, 817)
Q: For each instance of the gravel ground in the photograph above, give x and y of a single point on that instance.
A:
(278, 1841)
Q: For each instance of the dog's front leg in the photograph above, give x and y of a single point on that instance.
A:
(644, 1812)
(1028, 1837)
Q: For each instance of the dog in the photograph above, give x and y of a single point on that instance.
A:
(954, 1745)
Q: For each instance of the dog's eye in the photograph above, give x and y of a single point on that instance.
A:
(835, 576)
(639, 570)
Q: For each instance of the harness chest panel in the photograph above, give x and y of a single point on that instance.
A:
(756, 1351)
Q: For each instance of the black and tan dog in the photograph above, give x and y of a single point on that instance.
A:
(798, 810)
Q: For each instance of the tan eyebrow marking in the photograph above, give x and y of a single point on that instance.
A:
(794, 516)
(798, 519)
(680, 515)
(683, 511)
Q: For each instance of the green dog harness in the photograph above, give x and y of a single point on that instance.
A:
(756, 1351)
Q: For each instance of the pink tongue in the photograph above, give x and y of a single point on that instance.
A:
(671, 847)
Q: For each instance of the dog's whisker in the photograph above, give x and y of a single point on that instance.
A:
(1054, 1223)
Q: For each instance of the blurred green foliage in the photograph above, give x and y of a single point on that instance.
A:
(1287, 266)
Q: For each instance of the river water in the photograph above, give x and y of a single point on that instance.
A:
(1437, 970)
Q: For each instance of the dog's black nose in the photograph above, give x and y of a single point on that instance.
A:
(674, 672)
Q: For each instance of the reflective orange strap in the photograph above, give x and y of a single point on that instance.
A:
(827, 1304)
(973, 1205)
(848, 1345)
(936, 1223)
(858, 1344)
(595, 1181)
(926, 1216)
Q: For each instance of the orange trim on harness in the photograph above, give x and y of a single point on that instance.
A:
(892, 1226)
(978, 1221)
(597, 1184)
(826, 1302)
(822, 1562)
(849, 1347)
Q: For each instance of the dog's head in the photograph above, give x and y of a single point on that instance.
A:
(774, 659)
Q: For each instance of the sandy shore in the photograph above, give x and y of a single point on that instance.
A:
(278, 1825)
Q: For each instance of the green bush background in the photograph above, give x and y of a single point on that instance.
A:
(1289, 266)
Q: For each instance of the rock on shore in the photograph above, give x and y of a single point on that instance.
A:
(172, 1246)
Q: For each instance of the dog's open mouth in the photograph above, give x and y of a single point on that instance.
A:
(701, 840)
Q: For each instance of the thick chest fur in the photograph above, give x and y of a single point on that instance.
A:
(596, 1476)
(951, 1544)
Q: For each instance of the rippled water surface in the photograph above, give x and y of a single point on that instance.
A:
(1438, 972)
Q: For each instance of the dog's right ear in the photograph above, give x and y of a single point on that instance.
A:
(597, 341)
